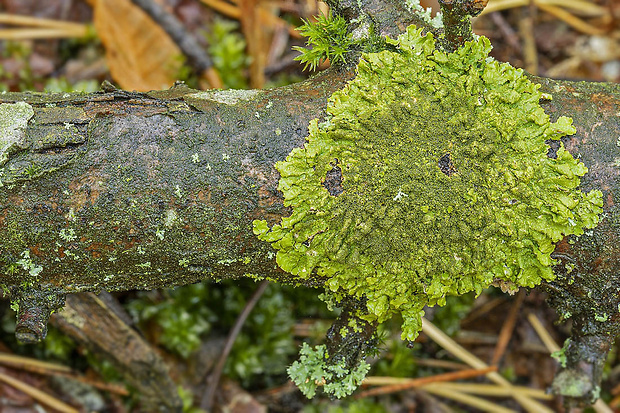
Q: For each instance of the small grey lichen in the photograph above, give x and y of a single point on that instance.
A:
(424, 13)
(170, 218)
(229, 97)
(160, 234)
(14, 118)
(28, 265)
(67, 234)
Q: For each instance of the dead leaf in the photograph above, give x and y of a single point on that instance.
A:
(139, 53)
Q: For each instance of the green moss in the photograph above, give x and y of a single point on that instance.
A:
(328, 38)
(445, 183)
(601, 318)
(560, 355)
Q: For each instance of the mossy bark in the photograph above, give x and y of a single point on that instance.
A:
(154, 190)
(588, 283)
(95, 322)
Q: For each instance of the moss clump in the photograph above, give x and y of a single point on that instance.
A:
(329, 38)
(430, 177)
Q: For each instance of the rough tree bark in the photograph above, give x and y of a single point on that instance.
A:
(120, 191)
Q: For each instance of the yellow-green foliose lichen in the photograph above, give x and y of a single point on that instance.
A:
(443, 182)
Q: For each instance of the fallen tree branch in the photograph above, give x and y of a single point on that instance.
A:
(118, 191)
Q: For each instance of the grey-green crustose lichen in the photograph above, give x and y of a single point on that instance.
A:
(446, 183)
(14, 119)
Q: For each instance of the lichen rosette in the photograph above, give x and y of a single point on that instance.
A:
(446, 182)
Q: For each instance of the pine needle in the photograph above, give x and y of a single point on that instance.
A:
(37, 394)
(459, 352)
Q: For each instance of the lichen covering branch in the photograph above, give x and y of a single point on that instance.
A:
(445, 183)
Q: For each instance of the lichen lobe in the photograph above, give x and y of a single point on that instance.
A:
(446, 183)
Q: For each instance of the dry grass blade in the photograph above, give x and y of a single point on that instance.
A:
(225, 8)
(477, 402)
(543, 334)
(442, 364)
(411, 383)
(494, 390)
(254, 37)
(579, 6)
(37, 394)
(586, 8)
(557, 8)
(20, 20)
(26, 362)
(52, 369)
(529, 47)
(600, 406)
(572, 20)
(39, 28)
(458, 351)
(52, 33)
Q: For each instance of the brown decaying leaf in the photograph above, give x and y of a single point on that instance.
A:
(140, 55)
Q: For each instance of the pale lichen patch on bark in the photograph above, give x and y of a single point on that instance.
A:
(14, 119)
(229, 97)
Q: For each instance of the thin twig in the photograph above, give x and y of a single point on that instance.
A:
(482, 310)
(197, 57)
(507, 31)
(505, 333)
(52, 369)
(411, 383)
(214, 379)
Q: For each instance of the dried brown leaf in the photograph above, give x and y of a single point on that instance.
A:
(140, 55)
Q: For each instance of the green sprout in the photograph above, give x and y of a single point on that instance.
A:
(329, 39)
(33, 170)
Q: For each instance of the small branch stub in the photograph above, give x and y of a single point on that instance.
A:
(456, 20)
(35, 306)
